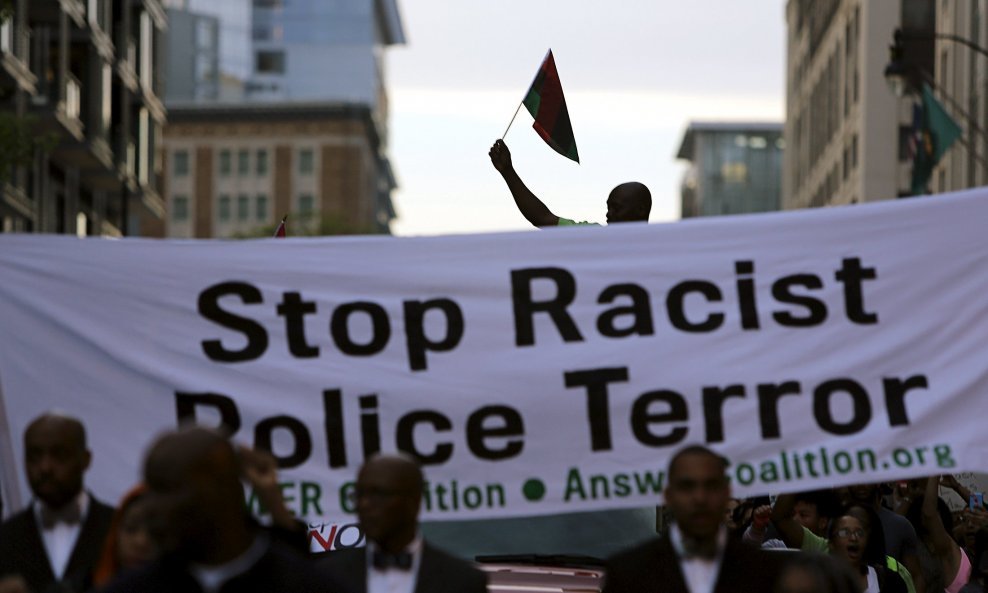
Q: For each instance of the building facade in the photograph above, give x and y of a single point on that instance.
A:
(236, 170)
(960, 75)
(79, 87)
(306, 58)
(734, 168)
(845, 129)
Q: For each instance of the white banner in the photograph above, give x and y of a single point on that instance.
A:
(533, 373)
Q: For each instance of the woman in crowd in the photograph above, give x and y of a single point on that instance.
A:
(128, 544)
(855, 537)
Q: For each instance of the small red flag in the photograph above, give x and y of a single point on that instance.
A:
(547, 105)
(279, 233)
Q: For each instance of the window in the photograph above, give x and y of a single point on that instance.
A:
(226, 165)
(262, 207)
(224, 207)
(305, 203)
(180, 208)
(243, 207)
(181, 166)
(262, 163)
(270, 62)
(243, 162)
(305, 161)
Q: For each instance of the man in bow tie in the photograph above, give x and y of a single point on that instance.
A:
(696, 556)
(55, 542)
(396, 560)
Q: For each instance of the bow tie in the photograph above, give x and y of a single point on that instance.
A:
(70, 514)
(384, 560)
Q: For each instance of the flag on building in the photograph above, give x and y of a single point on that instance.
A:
(547, 105)
(937, 133)
(279, 233)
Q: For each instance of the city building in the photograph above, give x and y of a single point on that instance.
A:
(237, 169)
(960, 77)
(209, 55)
(735, 167)
(79, 103)
(192, 64)
(306, 58)
(846, 131)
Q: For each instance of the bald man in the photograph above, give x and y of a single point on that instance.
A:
(397, 560)
(628, 202)
(55, 542)
(198, 519)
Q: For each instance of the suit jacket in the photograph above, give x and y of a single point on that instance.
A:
(22, 551)
(438, 571)
(280, 570)
(653, 567)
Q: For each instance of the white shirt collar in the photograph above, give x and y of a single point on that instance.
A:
(676, 538)
(211, 578)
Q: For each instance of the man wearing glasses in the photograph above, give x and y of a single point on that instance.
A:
(397, 560)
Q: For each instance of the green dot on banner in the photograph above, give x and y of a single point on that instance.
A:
(533, 489)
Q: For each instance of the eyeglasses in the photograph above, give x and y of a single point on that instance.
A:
(846, 533)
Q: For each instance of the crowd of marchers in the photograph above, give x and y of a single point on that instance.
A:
(187, 528)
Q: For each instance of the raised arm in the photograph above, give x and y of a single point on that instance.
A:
(528, 203)
(782, 517)
(944, 547)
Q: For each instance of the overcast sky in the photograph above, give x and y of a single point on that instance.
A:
(634, 73)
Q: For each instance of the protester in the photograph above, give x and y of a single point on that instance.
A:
(901, 541)
(397, 559)
(856, 537)
(802, 538)
(697, 555)
(128, 543)
(56, 540)
(207, 540)
(817, 573)
(812, 510)
(955, 566)
(628, 202)
(979, 568)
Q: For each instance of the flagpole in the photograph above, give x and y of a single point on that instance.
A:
(549, 51)
(512, 120)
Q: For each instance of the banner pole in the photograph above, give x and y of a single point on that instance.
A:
(512, 121)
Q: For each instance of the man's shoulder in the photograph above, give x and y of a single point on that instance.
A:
(441, 570)
(436, 555)
(101, 512)
(656, 547)
(18, 520)
(13, 529)
(571, 222)
(348, 557)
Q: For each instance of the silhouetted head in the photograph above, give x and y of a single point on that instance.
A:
(629, 202)
(388, 497)
(55, 458)
(194, 491)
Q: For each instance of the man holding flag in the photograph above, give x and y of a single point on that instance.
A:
(628, 202)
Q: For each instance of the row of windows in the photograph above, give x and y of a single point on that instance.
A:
(305, 161)
(180, 207)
